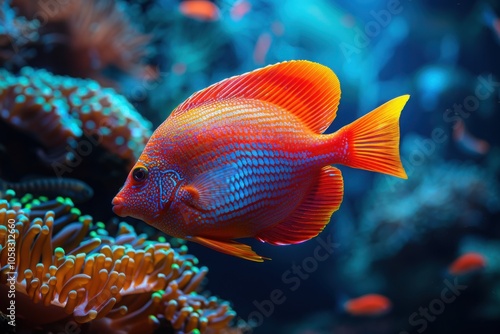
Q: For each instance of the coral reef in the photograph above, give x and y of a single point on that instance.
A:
(58, 110)
(438, 196)
(16, 33)
(394, 237)
(70, 268)
(428, 200)
(77, 190)
(95, 35)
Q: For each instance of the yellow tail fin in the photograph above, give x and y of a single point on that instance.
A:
(372, 141)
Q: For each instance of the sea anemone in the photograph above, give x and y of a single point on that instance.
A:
(71, 269)
(59, 110)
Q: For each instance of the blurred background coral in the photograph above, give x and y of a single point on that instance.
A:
(84, 83)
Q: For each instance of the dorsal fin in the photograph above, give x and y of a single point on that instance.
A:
(309, 90)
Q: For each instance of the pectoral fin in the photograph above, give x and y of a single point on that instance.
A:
(208, 186)
(230, 247)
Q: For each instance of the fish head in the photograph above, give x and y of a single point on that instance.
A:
(149, 191)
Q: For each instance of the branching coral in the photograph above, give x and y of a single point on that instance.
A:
(97, 33)
(57, 109)
(70, 268)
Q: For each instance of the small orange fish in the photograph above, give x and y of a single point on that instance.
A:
(261, 48)
(277, 28)
(247, 158)
(179, 68)
(203, 10)
(240, 9)
(368, 305)
(467, 263)
(149, 73)
(467, 141)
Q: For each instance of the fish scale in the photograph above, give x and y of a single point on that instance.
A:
(286, 169)
(246, 157)
(241, 151)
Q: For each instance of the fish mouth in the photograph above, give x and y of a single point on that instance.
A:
(118, 206)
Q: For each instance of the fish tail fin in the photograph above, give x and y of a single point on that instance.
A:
(372, 141)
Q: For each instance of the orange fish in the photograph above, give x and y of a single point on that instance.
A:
(247, 158)
(240, 9)
(371, 304)
(261, 48)
(203, 10)
(467, 263)
(467, 141)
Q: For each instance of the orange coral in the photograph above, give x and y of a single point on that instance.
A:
(69, 268)
(56, 109)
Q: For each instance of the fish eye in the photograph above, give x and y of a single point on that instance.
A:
(140, 174)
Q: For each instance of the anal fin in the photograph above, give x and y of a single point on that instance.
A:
(230, 247)
(313, 214)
